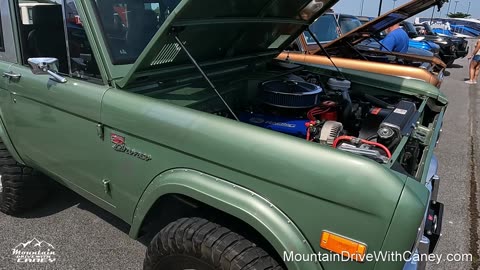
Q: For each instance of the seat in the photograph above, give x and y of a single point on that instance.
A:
(47, 39)
(142, 26)
(150, 25)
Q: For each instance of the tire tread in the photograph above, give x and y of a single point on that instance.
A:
(217, 245)
(22, 186)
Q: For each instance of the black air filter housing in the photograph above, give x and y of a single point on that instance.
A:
(290, 94)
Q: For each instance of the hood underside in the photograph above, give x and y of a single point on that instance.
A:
(216, 32)
(381, 23)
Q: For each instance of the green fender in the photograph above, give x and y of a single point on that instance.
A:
(8, 143)
(242, 203)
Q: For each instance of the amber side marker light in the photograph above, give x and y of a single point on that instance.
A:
(343, 246)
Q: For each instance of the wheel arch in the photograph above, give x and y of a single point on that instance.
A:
(8, 143)
(243, 204)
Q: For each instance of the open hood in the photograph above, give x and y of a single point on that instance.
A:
(218, 33)
(381, 23)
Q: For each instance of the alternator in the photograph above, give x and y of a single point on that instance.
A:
(330, 131)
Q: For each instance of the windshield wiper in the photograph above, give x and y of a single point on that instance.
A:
(203, 74)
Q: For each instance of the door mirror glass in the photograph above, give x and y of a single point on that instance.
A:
(42, 65)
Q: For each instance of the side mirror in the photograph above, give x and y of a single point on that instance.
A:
(43, 65)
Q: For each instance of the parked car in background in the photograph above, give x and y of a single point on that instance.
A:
(445, 32)
(333, 25)
(424, 45)
(448, 50)
(461, 43)
(463, 26)
(362, 56)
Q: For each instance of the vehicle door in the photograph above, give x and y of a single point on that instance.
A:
(8, 55)
(54, 119)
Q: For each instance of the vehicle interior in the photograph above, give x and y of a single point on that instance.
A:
(46, 36)
(42, 27)
(127, 36)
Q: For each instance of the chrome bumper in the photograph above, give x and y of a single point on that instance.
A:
(424, 246)
(422, 249)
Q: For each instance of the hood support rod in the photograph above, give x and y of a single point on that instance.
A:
(204, 75)
(326, 53)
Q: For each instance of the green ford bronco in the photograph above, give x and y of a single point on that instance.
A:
(174, 116)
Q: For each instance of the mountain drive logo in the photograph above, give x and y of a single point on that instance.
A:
(34, 251)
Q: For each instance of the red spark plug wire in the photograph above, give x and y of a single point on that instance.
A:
(316, 111)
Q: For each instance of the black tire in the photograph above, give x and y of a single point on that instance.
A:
(21, 187)
(196, 243)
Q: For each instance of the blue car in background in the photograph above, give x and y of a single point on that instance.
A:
(425, 45)
(462, 26)
(415, 46)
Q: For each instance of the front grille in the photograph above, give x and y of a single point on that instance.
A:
(453, 49)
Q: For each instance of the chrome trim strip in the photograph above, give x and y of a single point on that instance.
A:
(432, 169)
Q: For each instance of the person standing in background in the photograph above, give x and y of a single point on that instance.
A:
(396, 40)
(474, 64)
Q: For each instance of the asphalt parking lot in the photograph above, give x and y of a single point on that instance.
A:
(86, 237)
(458, 154)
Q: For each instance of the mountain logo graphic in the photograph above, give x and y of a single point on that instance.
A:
(34, 243)
(34, 251)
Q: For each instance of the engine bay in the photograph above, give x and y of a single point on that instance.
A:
(320, 106)
(362, 124)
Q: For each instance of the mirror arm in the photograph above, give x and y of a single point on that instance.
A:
(57, 77)
(43, 65)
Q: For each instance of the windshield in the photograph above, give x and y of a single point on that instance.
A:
(215, 29)
(348, 23)
(129, 25)
(324, 28)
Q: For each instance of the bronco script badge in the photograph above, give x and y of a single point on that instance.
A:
(120, 146)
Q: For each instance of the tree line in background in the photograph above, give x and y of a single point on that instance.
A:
(459, 15)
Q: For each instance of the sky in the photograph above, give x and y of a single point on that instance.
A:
(370, 7)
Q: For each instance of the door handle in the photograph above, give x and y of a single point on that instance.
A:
(11, 75)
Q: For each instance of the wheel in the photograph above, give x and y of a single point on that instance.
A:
(196, 243)
(21, 187)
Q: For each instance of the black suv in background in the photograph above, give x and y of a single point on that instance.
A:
(448, 49)
(461, 43)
